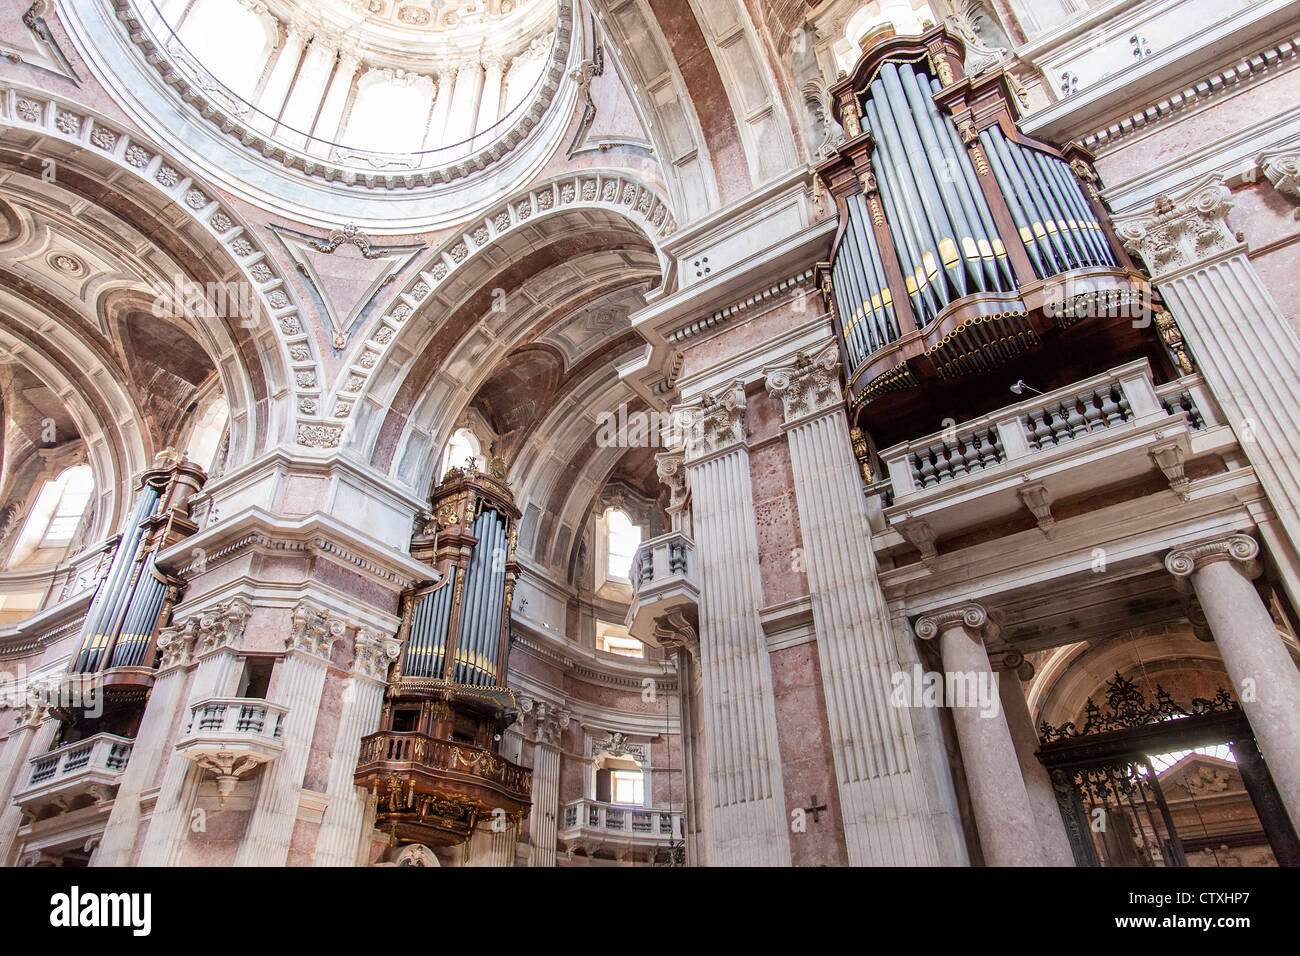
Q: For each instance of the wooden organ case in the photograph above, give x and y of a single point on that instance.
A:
(966, 247)
(433, 768)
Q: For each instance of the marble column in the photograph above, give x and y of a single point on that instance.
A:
(339, 840)
(1004, 816)
(747, 817)
(489, 846)
(464, 105)
(299, 683)
(678, 635)
(307, 91)
(434, 136)
(31, 737)
(1243, 344)
(549, 724)
(219, 637)
(153, 742)
(489, 103)
(1053, 841)
(276, 90)
(886, 818)
(1263, 673)
(336, 97)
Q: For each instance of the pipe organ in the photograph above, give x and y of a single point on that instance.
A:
(433, 767)
(117, 649)
(964, 245)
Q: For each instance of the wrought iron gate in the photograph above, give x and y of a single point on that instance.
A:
(1108, 788)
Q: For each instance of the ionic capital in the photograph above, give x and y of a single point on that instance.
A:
(971, 616)
(1242, 550)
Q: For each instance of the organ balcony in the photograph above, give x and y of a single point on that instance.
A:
(232, 736)
(425, 785)
(74, 775)
(665, 578)
(966, 250)
(1020, 460)
(591, 827)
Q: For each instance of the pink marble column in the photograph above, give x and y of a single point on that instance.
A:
(1004, 815)
(1262, 671)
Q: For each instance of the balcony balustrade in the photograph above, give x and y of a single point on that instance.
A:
(232, 736)
(590, 827)
(89, 768)
(665, 578)
(1050, 447)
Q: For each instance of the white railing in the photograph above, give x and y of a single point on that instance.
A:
(98, 759)
(1017, 433)
(619, 822)
(234, 724)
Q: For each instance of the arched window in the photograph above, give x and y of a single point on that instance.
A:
(622, 540)
(205, 439)
(231, 40)
(55, 515)
(381, 118)
(462, 447)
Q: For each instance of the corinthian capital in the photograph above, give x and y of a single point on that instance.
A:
(550, 722)
(811, 384)
(716, 422)
(1178, 233)
(314, 630)
(221, 626)
(1281, 167)
(1242, 550)
(373, 652)
(176, 644)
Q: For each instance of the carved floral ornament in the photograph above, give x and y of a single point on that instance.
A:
(810, 385)
(1181, 233)
(314, 630)
(716, 422)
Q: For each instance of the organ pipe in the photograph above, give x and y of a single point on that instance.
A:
(956, 230)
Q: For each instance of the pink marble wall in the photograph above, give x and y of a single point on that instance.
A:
(776, 513)
(807, 768)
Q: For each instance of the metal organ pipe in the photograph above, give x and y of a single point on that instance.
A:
(1035, 245)
(1089, 226)
(113, 591)
(864, 328)
(874, 271)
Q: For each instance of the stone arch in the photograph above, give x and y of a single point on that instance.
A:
(274, 344)
(456, 270)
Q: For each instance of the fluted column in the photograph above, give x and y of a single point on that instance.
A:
(1244, 346)
(464, 103)
(489, 103)
(363, 701)
(307, 90)
(1053, 841)
(872, 744)
(220, 634)
(153, 743)
(1262, 671)
(299, 683)
(271, 100)
(434, 136)
(747, 819)
(678, 636)
(31, 737)
(549, 724)
(492, 844)
(1003, 813)
(336, 98)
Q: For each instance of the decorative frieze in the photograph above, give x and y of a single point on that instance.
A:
(810, 385)
(1177, 234)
